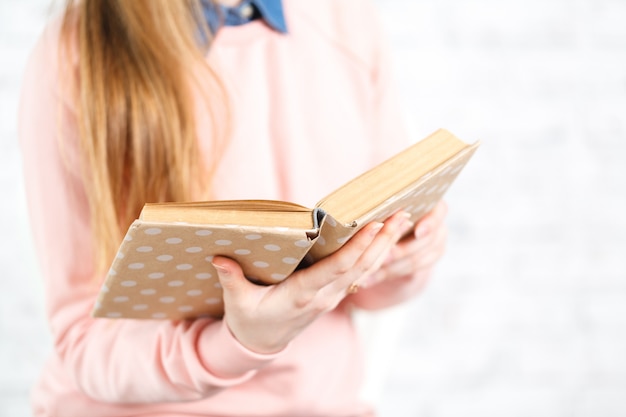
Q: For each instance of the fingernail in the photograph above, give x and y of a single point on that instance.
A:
(422, 231)
(390, 258)
(370, 280)
(375, 228)
(220, 269)
(405, 224)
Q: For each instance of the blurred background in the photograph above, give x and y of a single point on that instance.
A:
(526, 315)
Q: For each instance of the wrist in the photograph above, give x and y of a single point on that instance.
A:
(226, 357)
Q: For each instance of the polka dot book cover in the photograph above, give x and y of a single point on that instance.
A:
(163, 267)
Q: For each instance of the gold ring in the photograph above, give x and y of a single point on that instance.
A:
(353, 288)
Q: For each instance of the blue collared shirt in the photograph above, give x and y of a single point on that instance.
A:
(270, 11)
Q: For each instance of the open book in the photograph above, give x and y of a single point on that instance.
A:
(163, 267)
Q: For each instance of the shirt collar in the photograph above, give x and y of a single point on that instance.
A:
(270, 11)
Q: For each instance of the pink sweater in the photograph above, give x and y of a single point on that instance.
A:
(313, 108)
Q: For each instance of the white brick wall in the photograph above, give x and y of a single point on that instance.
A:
(527, 314)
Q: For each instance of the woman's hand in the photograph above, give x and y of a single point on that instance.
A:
(266, 318)
(415, 256)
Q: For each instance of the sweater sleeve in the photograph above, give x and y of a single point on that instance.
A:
(131, 361)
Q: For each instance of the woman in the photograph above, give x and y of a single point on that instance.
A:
(127, 102)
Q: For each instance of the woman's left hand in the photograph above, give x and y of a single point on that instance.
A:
(414, 257)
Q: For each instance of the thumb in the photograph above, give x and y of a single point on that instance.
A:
(229, 274)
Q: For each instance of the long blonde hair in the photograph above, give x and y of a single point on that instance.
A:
(137, 62)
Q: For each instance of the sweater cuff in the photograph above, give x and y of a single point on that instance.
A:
(223, 356)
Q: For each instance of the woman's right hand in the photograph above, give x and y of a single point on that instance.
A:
(264, 319)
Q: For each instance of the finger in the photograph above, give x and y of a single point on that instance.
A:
(374, 256)
(410, 245)
(429, 222)
(436, 252)
(234, 283)
(326, 271)
(394, 228)
(421, 258)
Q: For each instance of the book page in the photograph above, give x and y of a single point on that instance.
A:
(417, 199)
(260, 213)
(372, 188)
